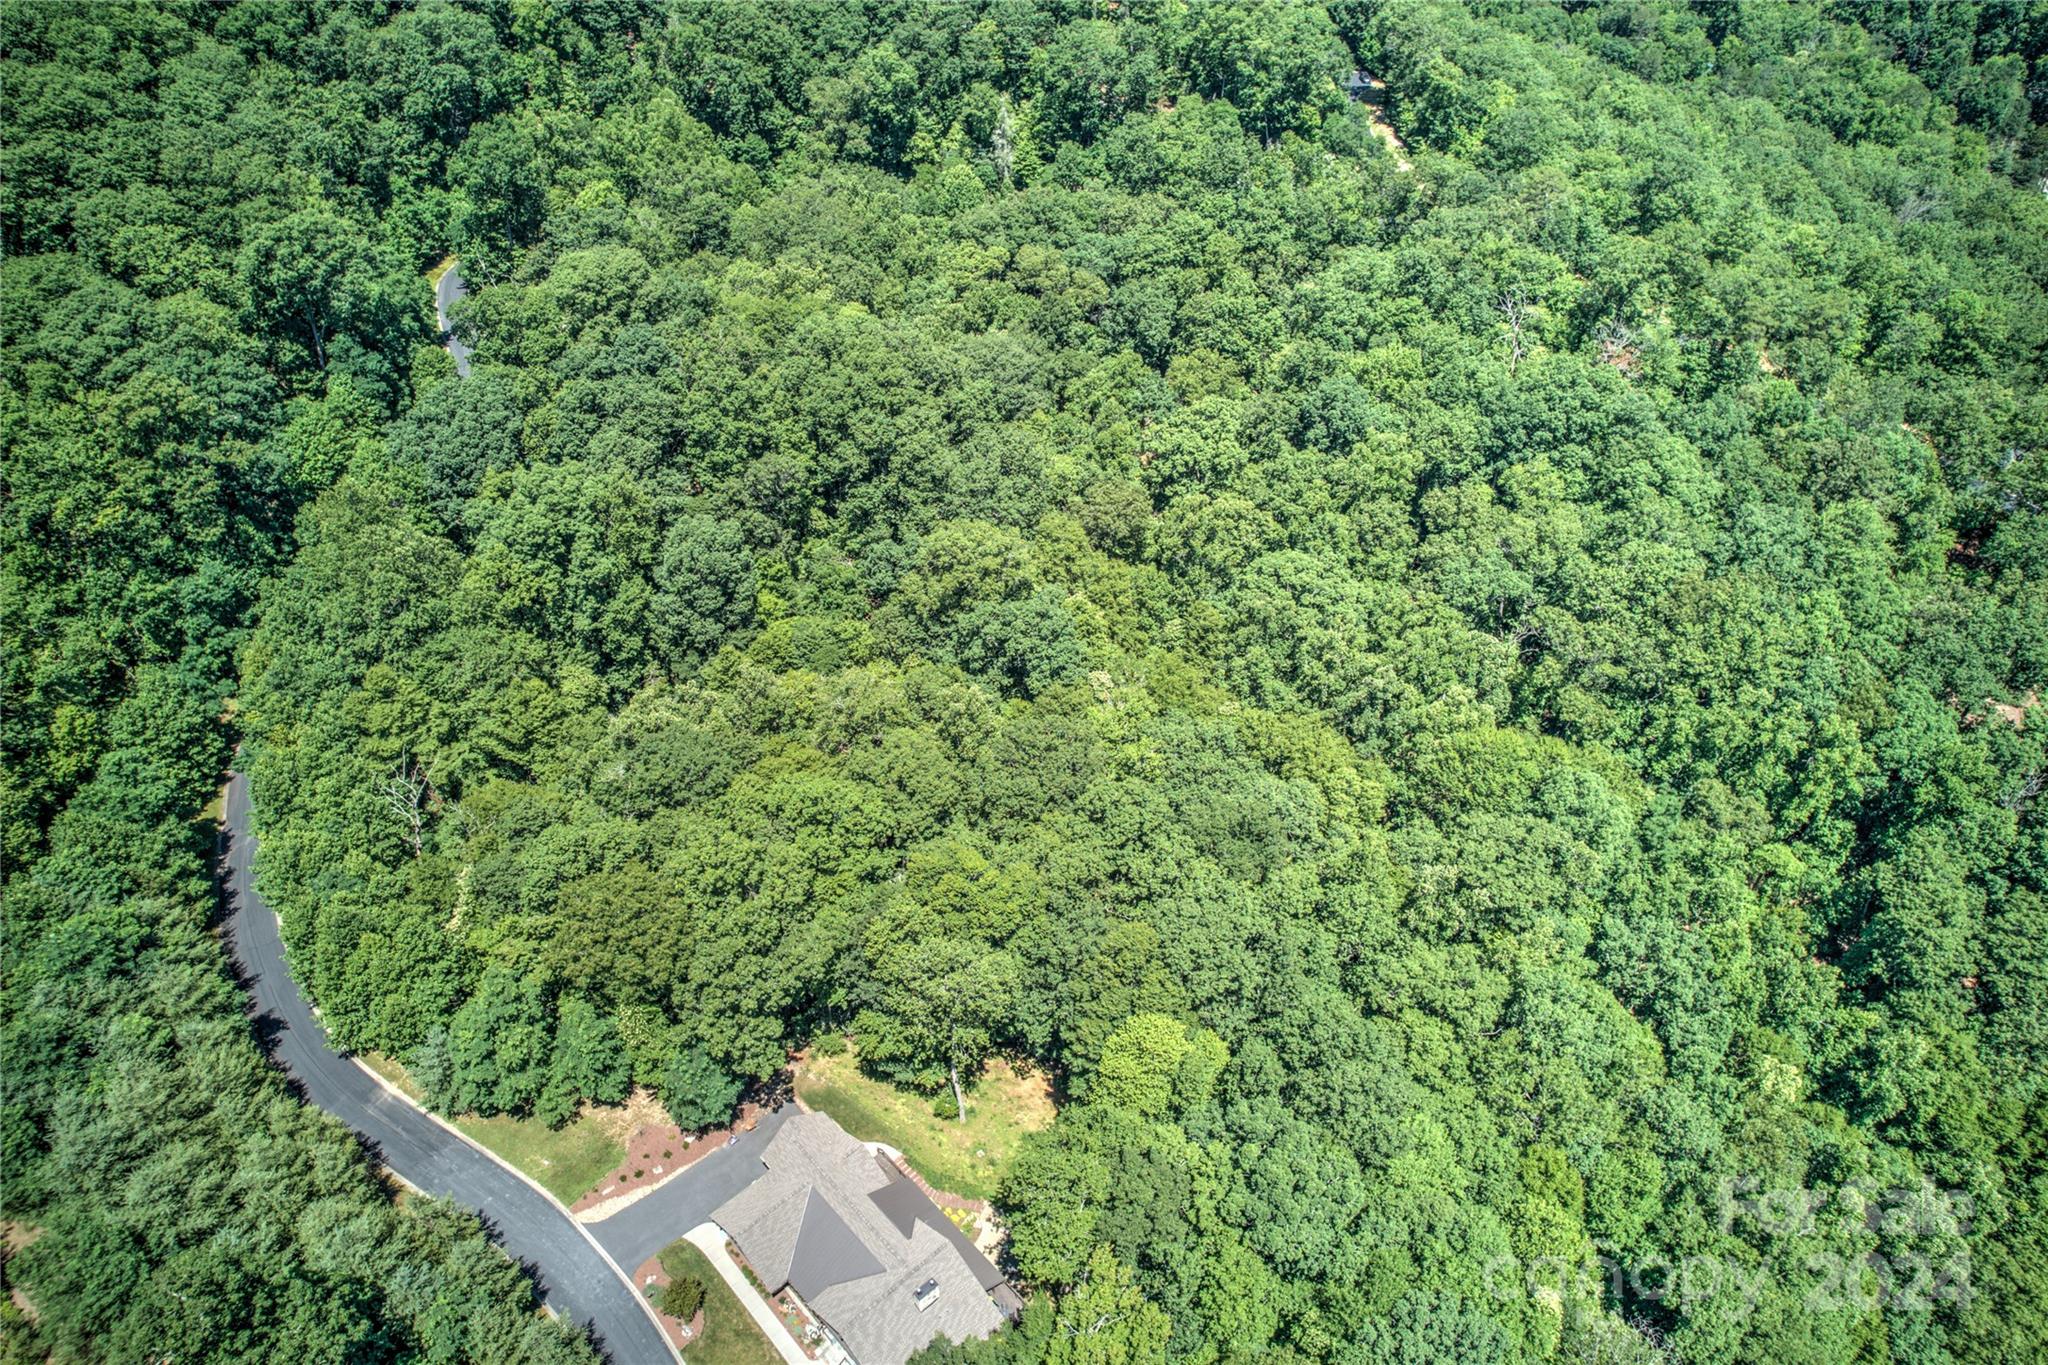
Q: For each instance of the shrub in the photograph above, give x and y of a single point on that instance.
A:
(682, 1296)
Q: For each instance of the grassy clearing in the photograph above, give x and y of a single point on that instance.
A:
(966, 1159)
(392, 1070)
(729, 1336)
(567, 1161)
(434, 275)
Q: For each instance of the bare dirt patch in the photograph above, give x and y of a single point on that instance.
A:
(18, 1237)
(1371, 94)
(620, 1122)
(655, 1147)
(2015, 716)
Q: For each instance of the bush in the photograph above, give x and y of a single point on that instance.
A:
(682, 1297)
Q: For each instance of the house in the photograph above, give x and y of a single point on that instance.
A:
(868, 1254)
(1363, 85)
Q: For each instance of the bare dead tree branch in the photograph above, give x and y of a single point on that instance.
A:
(1514, 308)
(405, 792)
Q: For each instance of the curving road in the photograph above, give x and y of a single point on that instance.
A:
(448, 291)
(576, 1280)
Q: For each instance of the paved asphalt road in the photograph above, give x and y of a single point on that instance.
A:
(575, 1280)
(447, 291)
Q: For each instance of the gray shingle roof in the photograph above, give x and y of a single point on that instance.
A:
(827, 1251)
(903, 1204)
(828, 1219)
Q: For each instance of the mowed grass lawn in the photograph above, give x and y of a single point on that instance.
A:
(729, 1336)
(966, 1159)
(567, 1161)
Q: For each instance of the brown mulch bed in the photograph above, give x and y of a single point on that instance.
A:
(656, 1151)
(650, 1279)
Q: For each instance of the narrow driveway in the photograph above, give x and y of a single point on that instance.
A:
(448, 291)
(650, 1223)
(575, 1279)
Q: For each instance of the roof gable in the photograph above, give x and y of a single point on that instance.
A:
(827, 1251)
(858, 1242)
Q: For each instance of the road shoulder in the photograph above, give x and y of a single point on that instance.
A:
(531, 1183)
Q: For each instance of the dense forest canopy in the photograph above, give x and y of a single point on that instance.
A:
(1461, 666)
